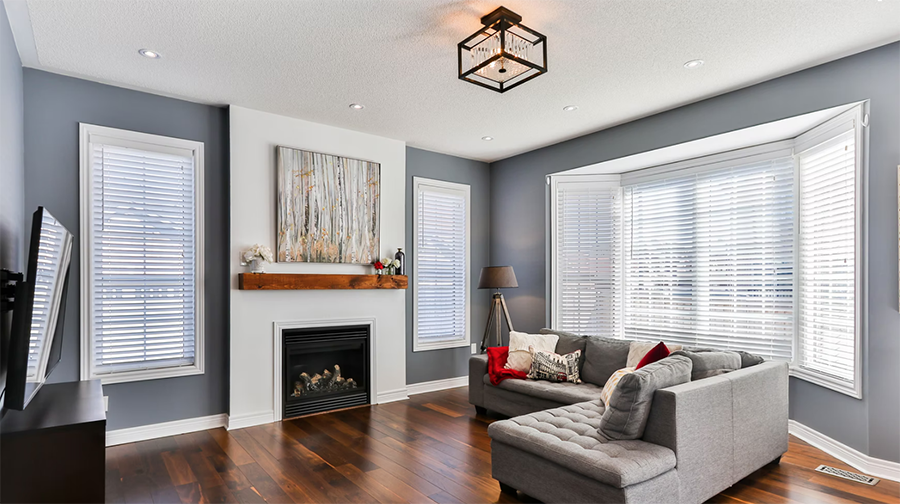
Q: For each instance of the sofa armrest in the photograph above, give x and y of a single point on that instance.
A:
(477, 369)
(720, 427)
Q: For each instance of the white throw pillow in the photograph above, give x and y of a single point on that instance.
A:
(519, 342)
(638, 349)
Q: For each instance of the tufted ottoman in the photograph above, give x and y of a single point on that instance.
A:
(557, 455)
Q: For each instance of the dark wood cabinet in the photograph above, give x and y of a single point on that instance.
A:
(55, 450)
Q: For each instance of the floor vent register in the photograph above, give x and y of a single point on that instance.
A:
(852, 476)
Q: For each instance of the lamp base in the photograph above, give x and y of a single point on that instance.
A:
(498, 305)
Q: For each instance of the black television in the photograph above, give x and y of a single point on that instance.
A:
(35, 344)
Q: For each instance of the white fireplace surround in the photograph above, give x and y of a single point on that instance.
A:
(278, 329)
(254, 136)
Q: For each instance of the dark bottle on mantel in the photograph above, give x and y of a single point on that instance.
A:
(400, 256)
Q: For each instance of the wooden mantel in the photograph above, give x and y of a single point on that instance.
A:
(302, 281)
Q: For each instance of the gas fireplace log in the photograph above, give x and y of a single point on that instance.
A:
(326, 382)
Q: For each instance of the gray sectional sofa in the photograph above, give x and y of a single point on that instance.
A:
(700, 438)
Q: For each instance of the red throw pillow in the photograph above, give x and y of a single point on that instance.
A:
(497, 357)
(659, 352)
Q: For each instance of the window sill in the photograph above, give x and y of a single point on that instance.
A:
(827, 382)
(146, 374)
(420, 347)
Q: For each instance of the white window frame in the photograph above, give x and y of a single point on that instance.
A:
(88, 134)
(554, 276)
(457, 189)
(858, 115)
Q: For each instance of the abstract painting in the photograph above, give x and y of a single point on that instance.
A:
(328, 208)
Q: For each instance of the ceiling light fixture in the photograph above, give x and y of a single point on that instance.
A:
(503, 54)
(147, 53)
(697, 63)
(357, 106)
(487, 138)
(570, 108)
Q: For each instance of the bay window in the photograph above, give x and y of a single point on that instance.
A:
(753, 249)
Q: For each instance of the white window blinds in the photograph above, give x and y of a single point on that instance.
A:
(827, 315)
(587, 214)
(143, 259)
(708, 259)
(441, 265)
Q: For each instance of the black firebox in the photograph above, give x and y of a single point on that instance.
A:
(325, 368)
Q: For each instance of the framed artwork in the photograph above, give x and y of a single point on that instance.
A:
(328, 208)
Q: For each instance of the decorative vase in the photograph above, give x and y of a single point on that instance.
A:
(258, 266)
(400, 256)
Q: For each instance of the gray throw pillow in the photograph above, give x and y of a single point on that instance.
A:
(747, 359)
(629, 407)
(706, 364)
(567, 342)
(602, 358)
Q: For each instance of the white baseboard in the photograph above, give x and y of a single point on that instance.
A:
(250, 419)
(153, 431)
(872, 466)
(391, 396)
(436, 385)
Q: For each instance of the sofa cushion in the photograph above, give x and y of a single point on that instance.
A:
(706, 364)
(514, 404)
(602, 358)
(629, 407)
(568, 437)
(747, 359)
(561, 392)
(567, 342)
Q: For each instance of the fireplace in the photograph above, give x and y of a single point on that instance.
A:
(325, 368)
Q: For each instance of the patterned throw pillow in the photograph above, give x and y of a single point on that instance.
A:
(607, 391)
(554, 367)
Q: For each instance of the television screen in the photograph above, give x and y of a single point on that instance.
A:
(35, 345)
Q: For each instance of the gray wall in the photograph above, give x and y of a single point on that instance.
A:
(452, 362)
(54, 105)
(12, 168)
(519, 235)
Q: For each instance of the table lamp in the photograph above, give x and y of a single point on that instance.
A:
(496, 277)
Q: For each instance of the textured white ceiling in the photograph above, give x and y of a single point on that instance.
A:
(617, 60)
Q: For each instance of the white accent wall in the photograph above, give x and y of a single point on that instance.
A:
(254, 136)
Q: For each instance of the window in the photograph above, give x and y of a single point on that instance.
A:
(756, 249)
(141, 255)
(586, 215)
(441, 265)
(708, 258)
(828, 350)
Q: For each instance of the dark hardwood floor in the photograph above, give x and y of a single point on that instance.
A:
(430, 449)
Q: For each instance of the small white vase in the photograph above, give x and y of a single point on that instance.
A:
(258, 266)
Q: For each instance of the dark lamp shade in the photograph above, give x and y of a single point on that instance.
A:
(497, 277)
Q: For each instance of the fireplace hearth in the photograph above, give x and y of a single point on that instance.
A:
(325, 368)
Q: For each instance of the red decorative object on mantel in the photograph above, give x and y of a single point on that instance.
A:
(497, 357)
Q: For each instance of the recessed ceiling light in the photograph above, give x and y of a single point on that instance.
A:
(487, 138)
(697, 63)
(357, 106)
(570, 108)
(147, 53)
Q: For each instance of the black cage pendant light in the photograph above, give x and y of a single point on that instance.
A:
(503, 54)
